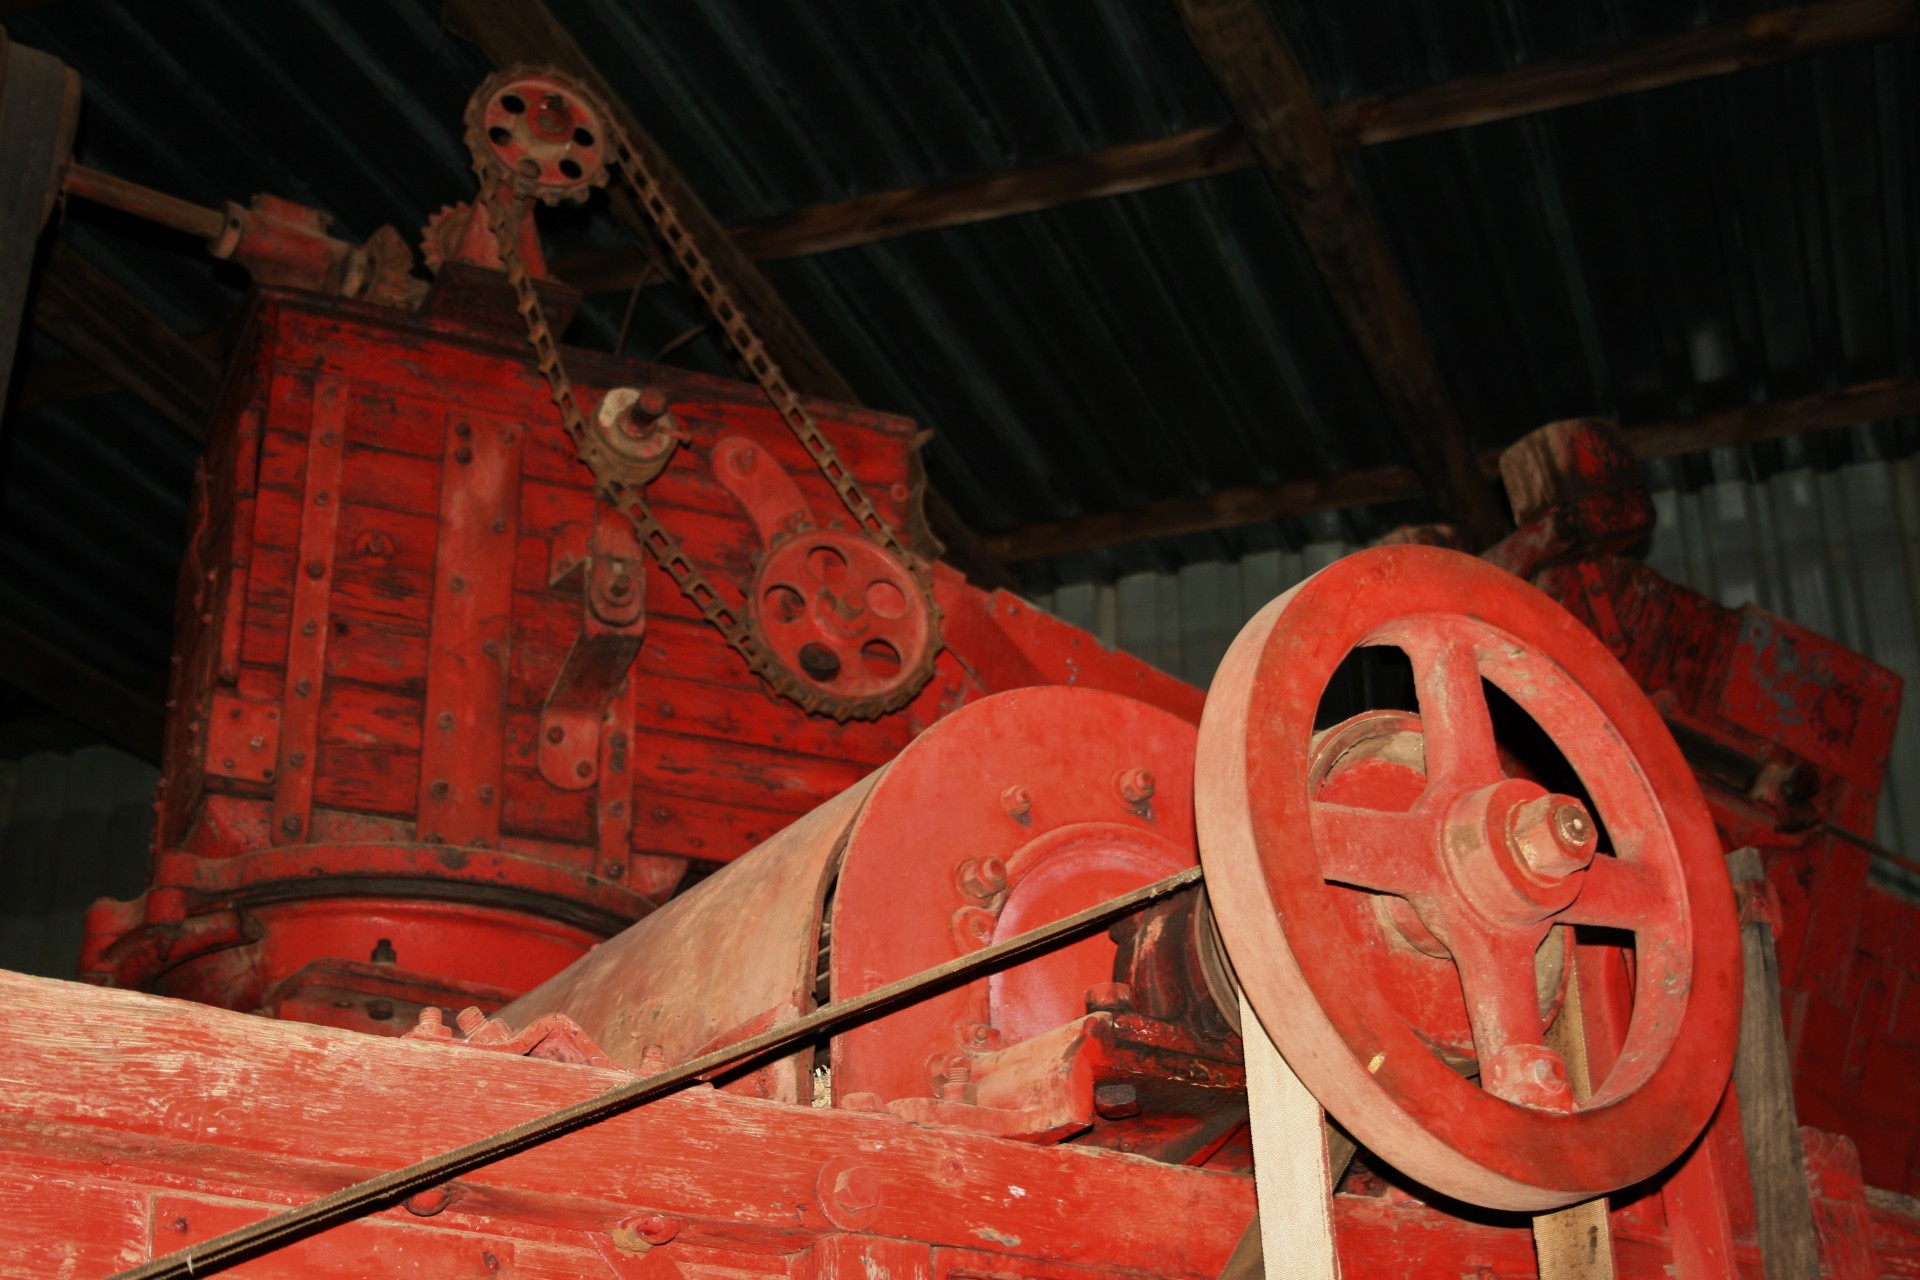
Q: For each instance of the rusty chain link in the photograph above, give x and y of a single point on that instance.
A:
(504, 219)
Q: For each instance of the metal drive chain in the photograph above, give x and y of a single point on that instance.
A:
(504, 218)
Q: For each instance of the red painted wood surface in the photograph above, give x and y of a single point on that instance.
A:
(122, 1114)
(380, 598)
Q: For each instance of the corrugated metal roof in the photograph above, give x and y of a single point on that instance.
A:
(1836, 551)
(1746, 237)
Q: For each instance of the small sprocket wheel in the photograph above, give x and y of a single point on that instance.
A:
(540, 132)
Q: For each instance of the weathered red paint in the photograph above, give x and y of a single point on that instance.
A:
(425, 685)
(1789, 734)
(1285, 863)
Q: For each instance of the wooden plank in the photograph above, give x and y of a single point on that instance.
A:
(39, 105)
(1259, 504)
(515, 32)
(83, 309)
(116, 711)
(1761, 40)
(1763, 1081)
(1269, 94)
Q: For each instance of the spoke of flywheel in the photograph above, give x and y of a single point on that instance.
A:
(1496, 976)
(1620, 893)
(1374, 848)
(1455, 721)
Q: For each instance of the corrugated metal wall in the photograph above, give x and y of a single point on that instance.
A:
(72, 828)
(1836, 551)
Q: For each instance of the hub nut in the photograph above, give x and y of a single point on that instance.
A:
(1552, 836)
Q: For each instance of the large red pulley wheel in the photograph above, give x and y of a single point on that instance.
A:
(1483, 866)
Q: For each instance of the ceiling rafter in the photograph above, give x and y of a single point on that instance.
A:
(1761, 40)
(1262, 82)
(1261, 504)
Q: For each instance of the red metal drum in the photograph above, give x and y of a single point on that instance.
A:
(1488, 864)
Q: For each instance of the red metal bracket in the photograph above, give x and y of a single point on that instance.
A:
(613, 621)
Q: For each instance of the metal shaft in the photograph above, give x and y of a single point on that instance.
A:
(350, 1202)
(143, 202)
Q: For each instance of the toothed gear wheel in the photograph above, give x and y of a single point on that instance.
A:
(540, 132)
(440, 238)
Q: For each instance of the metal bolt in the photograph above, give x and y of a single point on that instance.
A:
(649, 404)
(959, 1073)
(297, 758)
(584, 769)
(458, 583)
(1017, 801)
(290, 824)
(613, 870)
(316, 568)
(439, 789)
(982, 877)
(380, 1010)
(655, 1228)
(486, 794)
(463, 455)
(653, 1060)
(1552, 835)
(310, 628)
(430, 1019)
(1116, 1101)
(470, 1020)
(856, 1190)
(499, 525)
(621, 587)
(424, 1204)
(555, 734)
(444, 720)
(302, 687)
(616, 809)
(1134, 785)
(463, 430)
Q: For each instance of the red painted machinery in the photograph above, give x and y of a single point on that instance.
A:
(438, 731)
(1789, 734)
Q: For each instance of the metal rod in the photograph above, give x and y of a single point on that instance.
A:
(143, 202)
(350, 1202)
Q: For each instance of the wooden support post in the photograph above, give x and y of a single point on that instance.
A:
(39, 106)
(512, 32)
(1270, 96)
(86, 312)
(1763, 1079)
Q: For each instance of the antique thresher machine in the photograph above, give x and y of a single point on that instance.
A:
(803, 910)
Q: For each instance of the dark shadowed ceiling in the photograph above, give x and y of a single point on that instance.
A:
(1744, 238)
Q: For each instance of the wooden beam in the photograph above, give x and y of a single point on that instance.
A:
(1761, 40)
(41, 383)
(512, 32)
(1261, 504)
(114, 710)
(98, 320)
(1269, 94)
